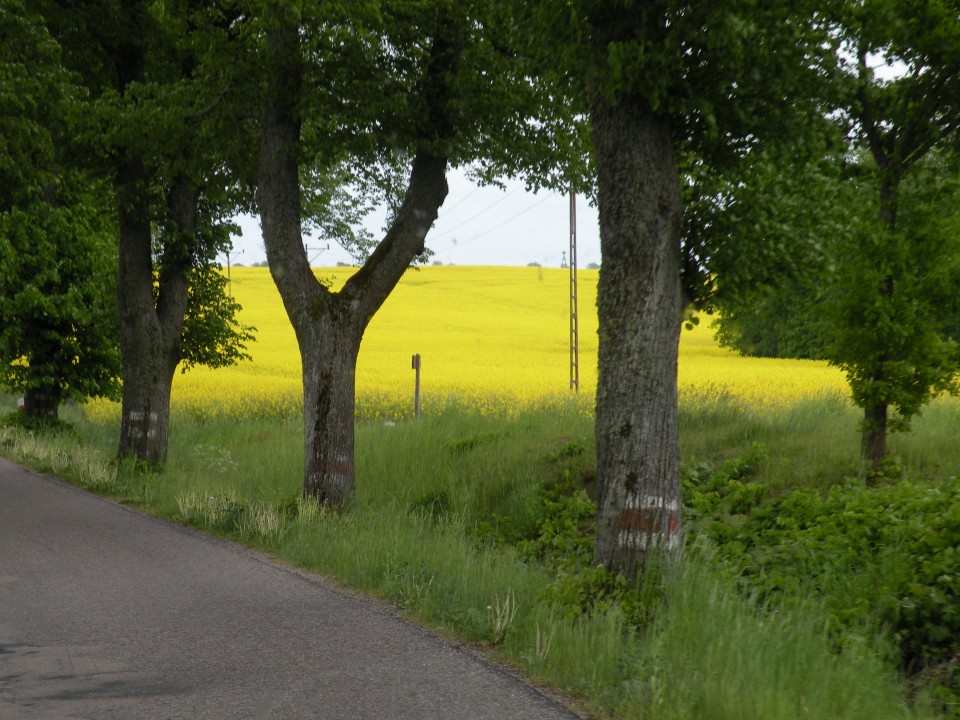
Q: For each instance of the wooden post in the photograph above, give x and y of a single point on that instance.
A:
(416, 392)
(574, 320)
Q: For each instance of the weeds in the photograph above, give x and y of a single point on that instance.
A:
(501, 615)
(471, 526)
(60, 455)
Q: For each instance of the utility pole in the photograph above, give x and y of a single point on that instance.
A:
(415, 364)
(319, 251)
(229, 255)
(574, 324)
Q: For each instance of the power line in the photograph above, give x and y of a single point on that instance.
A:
(476, 215)
(498, 225)
(461, 201)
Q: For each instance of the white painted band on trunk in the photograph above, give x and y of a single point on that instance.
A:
(634, 502)
(640, 539)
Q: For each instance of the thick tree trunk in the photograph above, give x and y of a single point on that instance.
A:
(150, 332)
(145, 410)
(41, 403)
(329, 326)
(143, 421)
(329, 373)
(639, 300)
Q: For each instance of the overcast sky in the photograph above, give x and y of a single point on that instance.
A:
(476, 226)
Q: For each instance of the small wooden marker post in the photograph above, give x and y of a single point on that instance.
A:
(416, 392)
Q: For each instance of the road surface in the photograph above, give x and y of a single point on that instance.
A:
(108, 613)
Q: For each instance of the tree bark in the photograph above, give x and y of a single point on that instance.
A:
(143, 430)
(874, 433)
(150, 332)
(329, 373)
(640, 305)
(39, 403)
(329, 326)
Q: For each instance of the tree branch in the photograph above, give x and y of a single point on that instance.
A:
(427, 189)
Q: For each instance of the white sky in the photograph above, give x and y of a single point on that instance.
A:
(476, 226)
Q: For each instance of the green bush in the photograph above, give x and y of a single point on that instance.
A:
(888, 554)
(35, 424)
(711, 492)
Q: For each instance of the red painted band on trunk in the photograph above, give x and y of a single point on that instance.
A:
(649, 519)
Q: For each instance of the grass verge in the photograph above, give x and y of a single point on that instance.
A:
(479, 527)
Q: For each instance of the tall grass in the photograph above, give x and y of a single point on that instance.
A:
(712, 655)
(437, 501)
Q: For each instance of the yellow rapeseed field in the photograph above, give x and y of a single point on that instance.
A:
(495, 339)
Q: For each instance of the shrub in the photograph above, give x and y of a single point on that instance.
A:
(887, 554)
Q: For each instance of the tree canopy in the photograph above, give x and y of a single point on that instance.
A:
(57, 315)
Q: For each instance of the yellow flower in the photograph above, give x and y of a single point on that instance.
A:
(492, 339)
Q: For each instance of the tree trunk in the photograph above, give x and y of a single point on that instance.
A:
(145, 410)
(874, 434)
(41, 403)
(150, 331)
(329, 326)
(639, 301)
(329, 373)
(143, 414)
(145, 406)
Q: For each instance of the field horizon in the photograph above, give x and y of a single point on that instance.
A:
(493, 339)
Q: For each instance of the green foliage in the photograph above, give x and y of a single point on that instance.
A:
(212, 336)
(710, 492)
(886, 554)
(57, 309)
(881, 302)
(891, 322)
(563, 530)
(785, 322)
(698, 64)
(34, 423)
(590, 589)
(57, 317)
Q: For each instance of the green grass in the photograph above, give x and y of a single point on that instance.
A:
(470, 525)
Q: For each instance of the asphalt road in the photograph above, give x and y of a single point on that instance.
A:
(107, 613)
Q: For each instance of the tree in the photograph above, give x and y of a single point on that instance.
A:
(898, 122)
(151, 128)
(880, 302)
(57, 317)
(894, 307)
(667, 87)
(377, 88)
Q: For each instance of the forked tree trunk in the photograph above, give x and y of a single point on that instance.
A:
(639, 301)
(329, 326)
